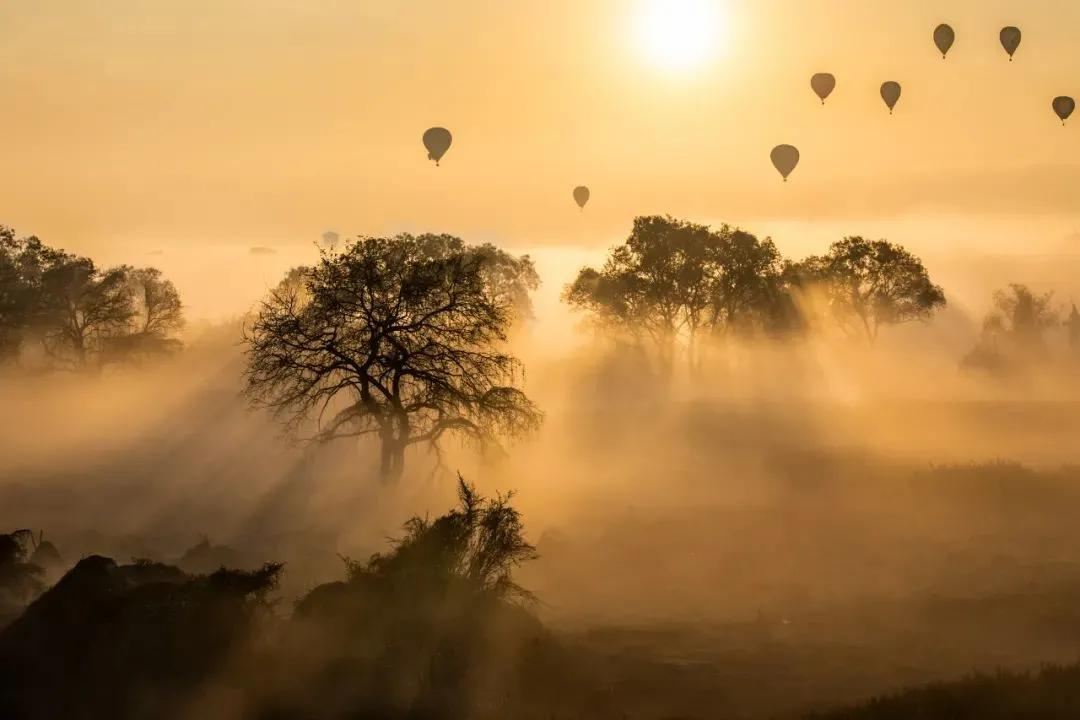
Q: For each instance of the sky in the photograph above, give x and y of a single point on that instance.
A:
(182, 134)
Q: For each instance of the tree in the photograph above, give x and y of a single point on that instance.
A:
(15, 296)
(1022, 315)
(158, 306)
(392, 339)
(83, 308)
(872, 283)
(1013, 331)
(157, 317)
(746, 282)
(83, 316)
(673, 279)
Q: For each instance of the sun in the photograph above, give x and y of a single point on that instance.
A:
(680, 35)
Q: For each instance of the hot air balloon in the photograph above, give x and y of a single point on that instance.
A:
(581, 196)
(437, 141)
(944, 37)
(1010, 40)
(785, 158)
(890, 93)
(330, 240)
(1064, 107)
(823, 84)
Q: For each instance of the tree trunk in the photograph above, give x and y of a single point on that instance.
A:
(391, 459)
(386, 458)
(397, 466)
(394, 438)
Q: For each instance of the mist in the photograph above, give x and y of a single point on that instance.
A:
(650, 360)
(812, 494)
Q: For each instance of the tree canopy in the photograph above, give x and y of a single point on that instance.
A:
(872, 283)
(1014, 330)
(673, 278)
(400, 338)
(82, 316)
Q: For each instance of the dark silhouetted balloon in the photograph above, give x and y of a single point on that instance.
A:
(944, 37)
(330, 240)
(823, 84)
(581, 196)
(437, 141)
(1064, 107)
(1010, 40)
(890, 93)
(785, 158)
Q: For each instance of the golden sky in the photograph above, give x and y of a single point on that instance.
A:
(206, 126)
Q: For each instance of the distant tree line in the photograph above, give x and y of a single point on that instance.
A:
(69, 313)
(675, 281)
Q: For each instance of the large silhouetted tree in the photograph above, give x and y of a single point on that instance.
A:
(673, 279)
(871, 283)
(397, 338)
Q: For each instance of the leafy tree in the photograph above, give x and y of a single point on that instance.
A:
(871, 283)
(653, 284)
(1022, 314)
(1014, 329)
(83, 316)
(157, 317)
(746, 282)
(83, 308)
(392, 339)
(673, 279)
(159, 311)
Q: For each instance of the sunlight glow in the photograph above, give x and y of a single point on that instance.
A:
(681, 35)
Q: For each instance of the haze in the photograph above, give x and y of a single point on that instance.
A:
(787, 498)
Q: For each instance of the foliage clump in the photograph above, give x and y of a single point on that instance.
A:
(480, 542)
(20, 579)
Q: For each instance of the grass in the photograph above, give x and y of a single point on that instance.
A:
(1050, 694)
